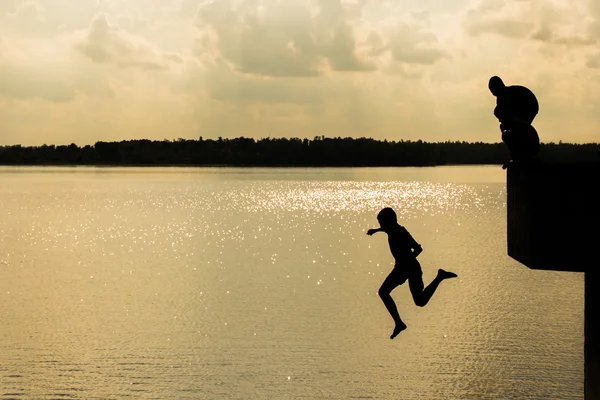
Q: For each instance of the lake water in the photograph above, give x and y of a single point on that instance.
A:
(208, 283)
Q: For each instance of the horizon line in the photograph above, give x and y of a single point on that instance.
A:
(314, 139)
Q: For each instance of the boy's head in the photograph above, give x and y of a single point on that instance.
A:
(387, 217)
(496, 85)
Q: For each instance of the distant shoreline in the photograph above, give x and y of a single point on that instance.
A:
(241, 166)
(320, 152)
(283, 166)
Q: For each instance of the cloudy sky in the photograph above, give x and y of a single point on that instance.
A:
(88, 70)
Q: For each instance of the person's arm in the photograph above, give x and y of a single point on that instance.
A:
(416, 247)
(372, 231)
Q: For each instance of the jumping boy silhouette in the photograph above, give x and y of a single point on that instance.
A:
(405, 251)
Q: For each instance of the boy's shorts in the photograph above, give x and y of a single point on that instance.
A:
(407, 270)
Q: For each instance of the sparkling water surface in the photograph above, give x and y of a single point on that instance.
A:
(260, 283)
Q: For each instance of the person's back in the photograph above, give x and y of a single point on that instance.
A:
(516, 102)
(401, 244)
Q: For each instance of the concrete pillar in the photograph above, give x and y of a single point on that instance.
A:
(592, 332)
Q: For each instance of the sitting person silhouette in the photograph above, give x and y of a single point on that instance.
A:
(405, 251)
(516, 107)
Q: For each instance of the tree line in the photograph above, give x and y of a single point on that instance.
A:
(320, 151)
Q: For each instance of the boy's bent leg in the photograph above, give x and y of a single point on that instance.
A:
(422, 296)
(389, 284)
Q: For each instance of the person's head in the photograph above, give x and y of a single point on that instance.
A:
(496, 85)
(387, 217)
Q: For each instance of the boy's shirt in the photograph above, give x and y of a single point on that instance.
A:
(401, 244)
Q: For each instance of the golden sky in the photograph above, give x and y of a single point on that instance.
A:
(82, 71)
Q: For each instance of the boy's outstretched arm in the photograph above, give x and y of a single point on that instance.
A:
(372, 231)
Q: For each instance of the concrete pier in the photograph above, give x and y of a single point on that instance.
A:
(554, 224)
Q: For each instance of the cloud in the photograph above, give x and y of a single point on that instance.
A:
(23, 82)
(570, 24)
(46, 18)
(282, 39)
(104, 43)
(506, 27)
(565, 22)
(55, 82)
(502, 17)
(29, 19)
(593, 61)
(412, 42)
(44, 69)
(8, 6)
(231, 86)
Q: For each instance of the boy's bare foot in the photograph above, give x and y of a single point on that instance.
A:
(446, 274)
(399, 328)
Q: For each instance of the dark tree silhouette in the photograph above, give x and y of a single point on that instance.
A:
(320, 151)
